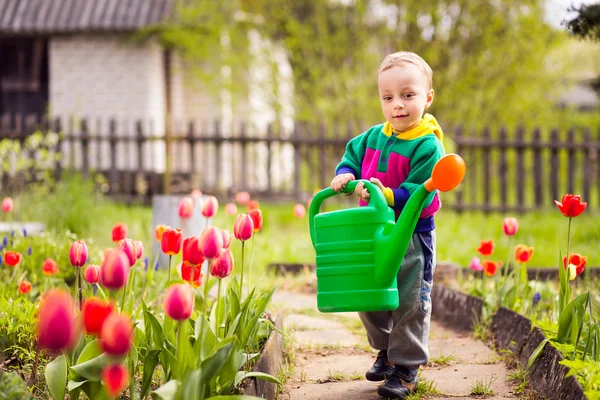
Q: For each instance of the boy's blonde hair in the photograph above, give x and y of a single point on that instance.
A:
(406, 57)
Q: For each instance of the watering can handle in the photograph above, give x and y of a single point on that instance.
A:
(377, 200)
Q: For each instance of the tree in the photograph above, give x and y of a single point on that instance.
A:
(587, 26)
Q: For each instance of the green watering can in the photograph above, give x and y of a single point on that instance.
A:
(359, 250)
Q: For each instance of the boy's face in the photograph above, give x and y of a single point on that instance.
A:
(404, 94)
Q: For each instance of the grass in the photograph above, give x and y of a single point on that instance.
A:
(340, 376)
(521, 378)
(443, 359)
(424, 389)
(483, 387)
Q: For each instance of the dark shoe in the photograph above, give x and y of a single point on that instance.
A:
(400, 383)
(379, 371)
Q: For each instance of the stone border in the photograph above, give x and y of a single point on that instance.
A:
(270, 362)
(514, 332)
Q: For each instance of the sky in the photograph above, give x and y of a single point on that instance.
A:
(556, 10)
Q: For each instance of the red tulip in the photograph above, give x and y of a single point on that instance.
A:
(159, 230)
(222, 266)
(243, 227)
(24, 287)
(50, 267)
(129, 249)
(114, 269)
(139, 247)
(185, 208)
(78, 253)
(211, 242)
(226, 238)
(523, 253)
(91, 274)
(510, 226)
(12, 258)
(230, 209)
(253, 205)
(115, 378)
(7, 204)
(56, 328)
(486, 247)
(95, 312)
(116, 334)
(119, 232)
(242, 198)
(577, 260)
(191, 251)
(192, 274)
(179, 301)
(210, 207)
(170, 242)
(299, 211)
(257, 219)
(490, 267)
(571, 205)
(196, 194)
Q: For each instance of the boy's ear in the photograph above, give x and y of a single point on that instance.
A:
(430, 95)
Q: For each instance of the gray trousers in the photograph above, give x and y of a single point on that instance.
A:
(404, 332)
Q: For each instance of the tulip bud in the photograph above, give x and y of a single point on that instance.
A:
(179, 301)
(50, 267)
(185, 208)
(257, 219)
(114, 269)
(115, 378)
(170, 242)
(211, 242)
(78, 253)
(196, 194)
(119, 232)
(226, 238)
(222, 266)
(191, 274)
(191, 251)
(129, 249)
(7, 204)
(116, 334)
(24, 287)
(243, 227)
(91, 274)
(95, 312)
(56, 328)
(475, 264)
(242, 198)
(12, 258)
(210, 207)
(510, 226)
(572, 269)
(159, 230)
(299, 211)
(139, 246)
(253, 205)
(230, 209)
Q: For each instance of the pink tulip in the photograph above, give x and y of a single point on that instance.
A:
(179, 301)
(299, 211)
(211, 242)
(92, 274)
(243, 227)
(196, 194)
(78, 253)
(210, 207)
(56, 327)
(510, 226)
(226, 238)
(139, 246)
(242, 198)
(129, 249)
(230, 209)
(7, 204)
(185, 208)
(115, 377)
(116, 334)
(114, 269)
(476, 264)
(222, 266)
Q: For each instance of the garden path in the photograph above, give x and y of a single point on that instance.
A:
(331, 354)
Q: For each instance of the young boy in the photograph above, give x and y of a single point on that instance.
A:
(398, 156)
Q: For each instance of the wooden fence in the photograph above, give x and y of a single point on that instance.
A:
(507, 171)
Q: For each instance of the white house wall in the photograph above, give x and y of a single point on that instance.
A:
(99, 77)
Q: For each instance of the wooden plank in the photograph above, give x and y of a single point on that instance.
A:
(297, 160)
(503, 168)
(244, 157)
(84, 139)
(113, 174)
(269, 159)
(323, 161)
(458, 195)
(538, 168)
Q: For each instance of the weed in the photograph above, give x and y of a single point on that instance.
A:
(483, 387)
(443, 360)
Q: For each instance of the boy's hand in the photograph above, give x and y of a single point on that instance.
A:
(339, 182)
(363, 193)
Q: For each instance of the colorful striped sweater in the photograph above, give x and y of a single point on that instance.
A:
(400, 160)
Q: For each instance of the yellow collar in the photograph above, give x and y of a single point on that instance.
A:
(427, 126)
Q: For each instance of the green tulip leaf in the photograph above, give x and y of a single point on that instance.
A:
(91, 369)
(261, 375)
(150, 363)
(166, 391)
(56, 377)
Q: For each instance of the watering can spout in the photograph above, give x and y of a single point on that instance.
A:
(391, 242)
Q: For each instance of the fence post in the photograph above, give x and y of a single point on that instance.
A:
(139, 141)
(269, 160)
(503, 169)
(114, 174)
(58, 149)
(85, 162)
(538, 168)
(191, 139)
(519, 147)
(458, 138)
(486, 169)
(218, 142)
(554, 164)
(588, 165)
(571, 160)
(244, 158)
(297, 160)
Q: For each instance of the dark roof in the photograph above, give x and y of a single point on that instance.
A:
(63, 16)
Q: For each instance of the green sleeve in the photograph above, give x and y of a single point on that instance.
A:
(353, 156)
(422, 161)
